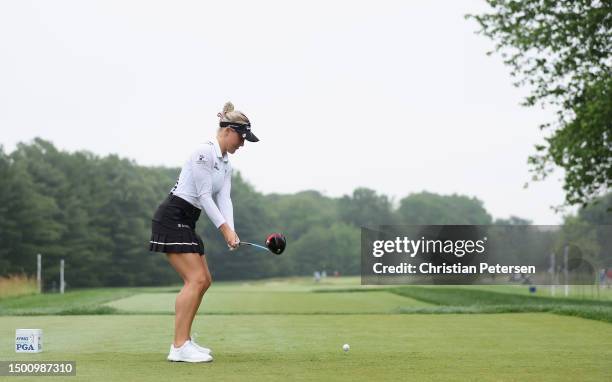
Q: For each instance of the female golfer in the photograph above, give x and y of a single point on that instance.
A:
(204, 184)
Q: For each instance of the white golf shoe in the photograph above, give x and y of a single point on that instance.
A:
(188, 353)
(200, 348)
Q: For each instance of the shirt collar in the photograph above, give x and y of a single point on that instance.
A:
(215, 143)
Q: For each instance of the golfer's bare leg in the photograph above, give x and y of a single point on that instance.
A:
(196, 280)
(208, 277)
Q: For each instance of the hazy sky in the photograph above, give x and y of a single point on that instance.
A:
(398, 96)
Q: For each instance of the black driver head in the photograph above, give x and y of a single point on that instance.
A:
(276, 243)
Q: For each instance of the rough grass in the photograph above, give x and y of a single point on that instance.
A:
(86, 301)
(579, 292)
(465, 300)
(77, 301)
(441, 295)
(17, 285)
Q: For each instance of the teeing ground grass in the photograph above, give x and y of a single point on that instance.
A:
(285, 330)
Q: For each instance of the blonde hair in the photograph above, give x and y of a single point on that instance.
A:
(230, 115)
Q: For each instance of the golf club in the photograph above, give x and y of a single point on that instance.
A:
(275, 243)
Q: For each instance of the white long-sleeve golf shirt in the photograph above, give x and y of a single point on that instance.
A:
(206, 181)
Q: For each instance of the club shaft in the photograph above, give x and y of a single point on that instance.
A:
(254, 245)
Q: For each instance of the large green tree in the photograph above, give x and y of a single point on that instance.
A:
(562, 51)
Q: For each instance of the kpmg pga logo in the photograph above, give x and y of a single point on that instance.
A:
(28, 340)
(24, 343)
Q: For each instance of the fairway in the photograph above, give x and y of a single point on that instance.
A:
(525, 347)
(274, 303)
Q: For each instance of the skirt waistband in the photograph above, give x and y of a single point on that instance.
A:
(190, 210)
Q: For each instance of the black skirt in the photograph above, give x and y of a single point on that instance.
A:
(173, 227)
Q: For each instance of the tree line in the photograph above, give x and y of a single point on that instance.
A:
(95, 212)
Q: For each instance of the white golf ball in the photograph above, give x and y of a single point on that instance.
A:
(346, 347)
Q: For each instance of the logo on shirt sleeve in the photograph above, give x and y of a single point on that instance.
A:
(201, 159)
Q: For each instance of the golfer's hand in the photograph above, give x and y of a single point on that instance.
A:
(231, 238)
(235, 243)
